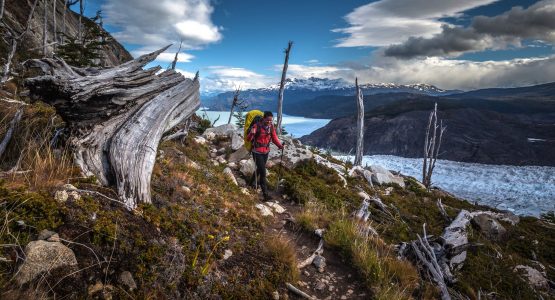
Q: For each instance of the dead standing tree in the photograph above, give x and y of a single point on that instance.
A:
(360, 124)
(432, 144)
(13, 38)
(117, 116)
(282, 87)
(235, 103)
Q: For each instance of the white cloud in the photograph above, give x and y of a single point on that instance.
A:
(154, 24)
(444, 73)
(387, 22)
(165, 56)
(304, 71)
(186, 73)
(224, 78)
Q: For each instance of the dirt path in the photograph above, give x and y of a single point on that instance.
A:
(337, 280)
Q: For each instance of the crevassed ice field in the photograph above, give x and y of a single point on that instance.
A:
(524, 190)
(527, 190)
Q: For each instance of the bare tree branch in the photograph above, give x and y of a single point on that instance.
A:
(282, 87)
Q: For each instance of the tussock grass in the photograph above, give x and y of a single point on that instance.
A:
(32, 151)
(385, 275)
(285, 259)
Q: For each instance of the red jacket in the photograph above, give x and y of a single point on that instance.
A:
(262, 142)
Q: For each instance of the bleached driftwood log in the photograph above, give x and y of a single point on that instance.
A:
(360, 125)
(117, 116)
(441, 257)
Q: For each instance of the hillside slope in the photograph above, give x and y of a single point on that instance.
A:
(473, 134)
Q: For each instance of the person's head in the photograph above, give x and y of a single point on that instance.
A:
(268, 118)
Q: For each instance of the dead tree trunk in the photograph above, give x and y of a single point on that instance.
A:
(80, 25)
(14, 40)
(44, 28)
(174, 62)
(360, 124)
(2, 2)
(117, 116)
(54, 30)
(234, 104)
(282, 87)
(432, 144)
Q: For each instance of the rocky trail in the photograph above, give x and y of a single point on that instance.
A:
(329, 276)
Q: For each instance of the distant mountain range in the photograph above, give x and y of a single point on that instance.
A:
(513, 126)
(299, 91)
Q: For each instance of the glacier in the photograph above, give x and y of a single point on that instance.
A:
(523, 190)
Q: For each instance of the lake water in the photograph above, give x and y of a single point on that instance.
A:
(295, 126)
(525, 190)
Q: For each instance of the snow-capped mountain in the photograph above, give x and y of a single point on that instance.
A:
(300, 89)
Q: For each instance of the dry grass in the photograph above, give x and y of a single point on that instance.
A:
(284, 256)
(30, 152)
(314, 216)
(386, 276)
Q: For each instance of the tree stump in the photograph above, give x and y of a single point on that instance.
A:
(116, 116)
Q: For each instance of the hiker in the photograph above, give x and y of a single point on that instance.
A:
(261, 133)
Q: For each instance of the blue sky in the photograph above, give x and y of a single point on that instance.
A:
(450, 43)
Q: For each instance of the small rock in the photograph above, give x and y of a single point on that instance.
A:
(193, 165)
(209, 136)
(306, 273)
(349, 292)
(320, 286)
(489, 227)
(277, 208)
(232, 165)
(213, 155)
(245, 191)
(221, 151)
(264, 210)
(221, 160)
(186, 189)
(74, 195)
(54, 238)
(533, 276)
(319, 262)
(45, 234)
(388, 191)
(229, 174)
(236, 142)
(241, 182)
(126, 279)
(42, 256)
(343, 297)
(247, 167)
(331, 288)
(200, 140)
(275, 295)
(61, 196)
(69, 187)
(319, 232)
(227, 254)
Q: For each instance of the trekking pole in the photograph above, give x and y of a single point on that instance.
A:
(280, 170)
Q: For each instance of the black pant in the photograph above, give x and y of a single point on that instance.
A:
(260, 162)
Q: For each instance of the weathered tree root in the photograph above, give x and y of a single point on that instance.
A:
(117, 116)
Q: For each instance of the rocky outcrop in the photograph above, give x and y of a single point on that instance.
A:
(16, 13)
